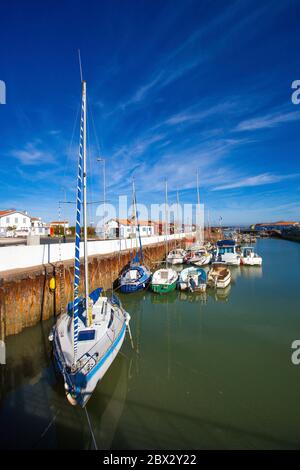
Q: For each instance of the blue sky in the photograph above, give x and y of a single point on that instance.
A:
(172, 86)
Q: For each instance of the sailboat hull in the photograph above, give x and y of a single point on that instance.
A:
(97, 345)
(163, 288)
(129, 285)
(81, 387)
(130, 288)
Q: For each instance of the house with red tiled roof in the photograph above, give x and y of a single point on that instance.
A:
(14, 222)
(59, 223)
(19, 223)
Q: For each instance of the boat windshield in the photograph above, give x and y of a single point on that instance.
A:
(226, 249)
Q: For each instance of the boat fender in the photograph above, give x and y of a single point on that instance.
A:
(71, 399)
(66, 386)
(52, 284)
(51, 336)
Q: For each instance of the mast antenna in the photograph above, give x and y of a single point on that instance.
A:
(80, 66)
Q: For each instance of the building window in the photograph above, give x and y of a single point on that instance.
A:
(24, 220)
(16, 220)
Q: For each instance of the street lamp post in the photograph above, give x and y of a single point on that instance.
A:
(102, 160)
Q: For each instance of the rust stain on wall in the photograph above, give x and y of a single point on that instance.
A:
(26, 297)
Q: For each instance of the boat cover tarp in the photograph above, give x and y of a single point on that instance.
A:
(226, 242)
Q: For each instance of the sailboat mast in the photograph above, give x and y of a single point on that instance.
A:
(166, 216)
(199, 231)
(134, 212)
(86, 271)
(177, 228)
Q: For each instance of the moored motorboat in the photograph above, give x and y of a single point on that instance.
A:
(250, 258)
(219, 276)
(176, 256)
(200, 258)
(192, 279)
(226, 252)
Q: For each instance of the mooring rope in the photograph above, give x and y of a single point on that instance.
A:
(91, 429)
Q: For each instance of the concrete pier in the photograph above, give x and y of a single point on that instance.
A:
(26, 297)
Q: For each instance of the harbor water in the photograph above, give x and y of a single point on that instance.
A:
(209, 371)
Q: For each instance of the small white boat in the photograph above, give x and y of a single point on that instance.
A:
(219, 276)
(200, 258)
(192, 279)
(250, 258)
(226, 253)
(176, 256)
(164, 280)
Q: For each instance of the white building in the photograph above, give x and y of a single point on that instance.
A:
(125, 228)
(14, 223)
(61, 223)
(38, 227)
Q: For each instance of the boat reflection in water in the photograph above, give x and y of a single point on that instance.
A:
(33, 408)
(187, 296)
(220, 294)
(164, 299)
(251, 271)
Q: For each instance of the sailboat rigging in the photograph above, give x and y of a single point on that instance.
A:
(136, 276)
(86, 338)
(165, 280)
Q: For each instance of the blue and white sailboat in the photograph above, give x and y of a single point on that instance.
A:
(136, 276)
(88, 337)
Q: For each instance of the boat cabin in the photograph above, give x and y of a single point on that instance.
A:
(248, 251)
(226, 246)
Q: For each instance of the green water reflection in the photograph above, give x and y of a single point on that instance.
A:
(209, 371)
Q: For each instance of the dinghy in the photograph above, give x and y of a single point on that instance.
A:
(250, 258)
(219, 276)
(164, 280)
(176, 256)
(192, 279)
(87, 338)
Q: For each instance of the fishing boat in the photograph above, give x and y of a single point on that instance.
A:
(250, 258)
(226, 252)
(164, 280)
(136, 276)
(176, 256)
(87, 338)
(192, 279)
(219, 276)
(200, 258)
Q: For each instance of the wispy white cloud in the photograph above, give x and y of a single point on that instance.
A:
(142, 91)
(33, 154)
(161, 78)
(192, 115)
(256, 180)
(267, 121)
